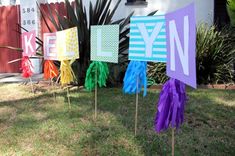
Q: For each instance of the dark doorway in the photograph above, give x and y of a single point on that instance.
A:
(221, 17)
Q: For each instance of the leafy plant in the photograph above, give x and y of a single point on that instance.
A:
(215, 57)
(215, 54)
(231, 11)
(157, 73)
(231, 4)
(99, 14)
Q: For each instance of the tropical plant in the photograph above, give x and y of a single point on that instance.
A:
(215, 57)
(215, 54)
(231, 11)
(156, 73)
(99, 14)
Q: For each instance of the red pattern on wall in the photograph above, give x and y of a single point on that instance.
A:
(59, 7)
(9, 17)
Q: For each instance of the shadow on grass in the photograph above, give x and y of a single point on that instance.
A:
(208, 128)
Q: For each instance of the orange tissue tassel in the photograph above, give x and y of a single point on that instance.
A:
(50, 70)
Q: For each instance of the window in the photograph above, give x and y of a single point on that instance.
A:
(136, 2)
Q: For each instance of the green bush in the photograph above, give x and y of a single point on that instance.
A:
(215, 57)
(231, 11)
(157, 73)
(215, 54)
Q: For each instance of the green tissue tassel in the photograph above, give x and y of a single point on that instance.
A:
(102, 75)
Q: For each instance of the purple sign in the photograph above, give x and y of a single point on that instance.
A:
(181, 45)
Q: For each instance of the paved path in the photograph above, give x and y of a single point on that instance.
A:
(16, 77)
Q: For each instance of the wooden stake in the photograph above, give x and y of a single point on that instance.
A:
(68, 97)
(31, 83)
(96, 92)
(53, 91)
(173, 141)
(136, 106)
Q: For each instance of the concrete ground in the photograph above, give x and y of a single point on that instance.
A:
(16, 77)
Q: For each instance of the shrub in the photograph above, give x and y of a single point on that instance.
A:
(157, 73)
(215, 57)
(231, 11)
(215, 54)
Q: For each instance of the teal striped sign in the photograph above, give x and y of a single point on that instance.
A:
(148, 39)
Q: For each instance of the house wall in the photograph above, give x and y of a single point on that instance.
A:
(204, 8)
(9, 16)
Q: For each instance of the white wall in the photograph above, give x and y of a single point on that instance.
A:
(54, 1)
(9, 2)
(204, 8)
(16, 2)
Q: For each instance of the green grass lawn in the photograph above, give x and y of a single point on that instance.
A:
(39, 125)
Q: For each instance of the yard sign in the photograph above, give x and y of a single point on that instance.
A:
(169, 38)
(67, 44)
(104, 43)
(181, 45)
(148, 39)
(49, 46)
(29, 43)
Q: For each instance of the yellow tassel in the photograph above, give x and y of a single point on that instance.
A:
(66, 71)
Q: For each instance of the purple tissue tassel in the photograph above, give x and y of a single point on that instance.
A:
(171, 105)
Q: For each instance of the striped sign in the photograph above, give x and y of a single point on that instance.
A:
(148, 39)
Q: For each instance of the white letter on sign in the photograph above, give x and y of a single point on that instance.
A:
(149, 39)
(183, 54)
(50, 46)
(28, 44)
(100, 52)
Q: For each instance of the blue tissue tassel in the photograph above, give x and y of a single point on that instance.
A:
(135, 69)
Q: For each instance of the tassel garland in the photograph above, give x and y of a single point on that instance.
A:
(50, 70)
(171, 105)
(26, 67)
(135, 70)
(66, 72)
(102, 71)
